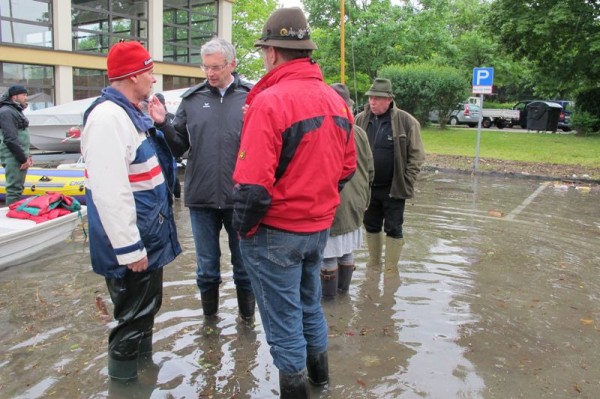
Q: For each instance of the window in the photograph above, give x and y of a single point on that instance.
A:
(188, 24)
(26, 22)
(88, 82)
(98, 24)
(38, 79)
(179, 82)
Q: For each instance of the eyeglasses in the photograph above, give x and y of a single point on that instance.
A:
(213, 68)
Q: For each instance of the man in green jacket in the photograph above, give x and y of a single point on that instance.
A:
(14, 141)
(395, 140)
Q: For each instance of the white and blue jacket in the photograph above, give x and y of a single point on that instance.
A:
(129, 178)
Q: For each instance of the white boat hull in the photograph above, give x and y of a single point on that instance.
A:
(22, 240)
(49, 127)
(53, 138)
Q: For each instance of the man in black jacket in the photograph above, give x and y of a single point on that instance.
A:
(14, 141)
(208, 123)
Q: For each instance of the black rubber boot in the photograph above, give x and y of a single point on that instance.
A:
(246, 305)
(210, 301)
(344, 277)
(294, 386)
(122, 370)
(329, 283)
(146, 345)
(318, 368)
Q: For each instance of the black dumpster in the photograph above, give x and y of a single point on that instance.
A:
(543, 116)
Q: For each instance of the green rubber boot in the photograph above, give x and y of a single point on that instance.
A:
(375, 245)
(393, 249)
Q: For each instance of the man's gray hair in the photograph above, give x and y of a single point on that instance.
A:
(219, 45)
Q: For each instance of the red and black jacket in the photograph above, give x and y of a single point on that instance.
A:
(296, 153)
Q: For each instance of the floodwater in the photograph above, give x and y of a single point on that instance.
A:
(496, 296)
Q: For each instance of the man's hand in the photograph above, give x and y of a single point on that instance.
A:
(139, 266)
(156, 111)
(27, 164)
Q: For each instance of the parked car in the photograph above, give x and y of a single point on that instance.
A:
(500, 117)
(463, 114)
(564, 121)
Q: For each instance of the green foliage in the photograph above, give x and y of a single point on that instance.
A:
(497, 105)
(373, 34)
(421, 88)
(589, 101)
(585, 123)
(249, 16)
(542, 48)
(586, 118)
(561, 40)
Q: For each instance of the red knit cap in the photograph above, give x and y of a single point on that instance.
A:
(127, 59)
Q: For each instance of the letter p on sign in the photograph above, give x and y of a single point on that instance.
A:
(483, 80)
(483, 76)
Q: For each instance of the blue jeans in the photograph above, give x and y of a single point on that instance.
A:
(284, 268)
(206, 228)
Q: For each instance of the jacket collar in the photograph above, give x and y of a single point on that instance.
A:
(302, 68)
(237, 82)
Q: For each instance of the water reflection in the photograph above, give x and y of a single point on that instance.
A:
(496, 295)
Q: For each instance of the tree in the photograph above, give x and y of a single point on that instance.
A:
(249, 16)
(561, 39)
(421, 88)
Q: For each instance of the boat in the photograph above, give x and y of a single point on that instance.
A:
(22, 240)
(58, 128)
(67, 181)
(49, 128)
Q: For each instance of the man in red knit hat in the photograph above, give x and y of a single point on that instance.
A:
(129, 178)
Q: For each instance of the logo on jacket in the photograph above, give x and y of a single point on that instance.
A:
(206, 105)
(242, 155)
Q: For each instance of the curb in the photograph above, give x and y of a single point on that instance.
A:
(431, 168)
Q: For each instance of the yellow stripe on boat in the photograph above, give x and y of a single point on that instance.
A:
(40, 181)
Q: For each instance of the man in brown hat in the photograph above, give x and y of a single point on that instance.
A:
(395, 140)
(296, 153)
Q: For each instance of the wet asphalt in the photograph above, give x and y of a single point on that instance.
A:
(495, 296)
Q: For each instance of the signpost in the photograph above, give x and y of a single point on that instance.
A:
(483, 81)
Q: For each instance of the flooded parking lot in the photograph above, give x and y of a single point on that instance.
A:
(496, 296)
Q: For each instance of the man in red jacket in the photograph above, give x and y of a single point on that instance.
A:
(296, 153)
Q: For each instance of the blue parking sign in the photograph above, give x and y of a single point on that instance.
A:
(483, 76)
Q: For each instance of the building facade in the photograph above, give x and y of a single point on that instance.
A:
(57, 48)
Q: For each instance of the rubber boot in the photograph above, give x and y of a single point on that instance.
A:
(318, 368)
(393, 249)
(375, 245)
(122, 370)
(344, 277)
(329, 283)
(294, 386)
(210, 301)
(146, 346)
(246, 305)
